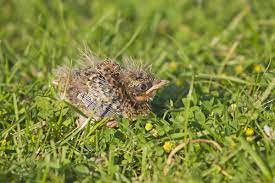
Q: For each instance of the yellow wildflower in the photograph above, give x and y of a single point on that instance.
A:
(238, 69)
(173, 65)
(148, 126)
(249, 131)
(258, 68)
(168, 145)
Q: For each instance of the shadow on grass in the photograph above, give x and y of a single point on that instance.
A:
(171, 93)
(212, 93)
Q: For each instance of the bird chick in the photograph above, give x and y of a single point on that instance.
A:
(104, 89)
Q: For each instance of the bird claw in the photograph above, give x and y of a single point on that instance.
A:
(112, 124)
(80, 120)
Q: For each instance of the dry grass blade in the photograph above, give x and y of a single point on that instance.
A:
(182, 145)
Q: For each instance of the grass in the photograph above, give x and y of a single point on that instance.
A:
(218, 55)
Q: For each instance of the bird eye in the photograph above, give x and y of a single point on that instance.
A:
(143, 87)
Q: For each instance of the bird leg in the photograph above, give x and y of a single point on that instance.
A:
(112, 123)
(80, 120)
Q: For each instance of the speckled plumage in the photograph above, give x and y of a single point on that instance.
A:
(105, 89)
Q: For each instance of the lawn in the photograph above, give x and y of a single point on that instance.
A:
(207, 125)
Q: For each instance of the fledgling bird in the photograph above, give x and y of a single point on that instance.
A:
(104, 89)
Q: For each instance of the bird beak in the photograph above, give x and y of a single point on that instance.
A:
(157, 85)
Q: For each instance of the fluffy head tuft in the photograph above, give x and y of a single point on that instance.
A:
(136, 65)
(88, 59)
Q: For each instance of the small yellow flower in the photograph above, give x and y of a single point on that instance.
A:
(249, 131)
(148, 126)
(173, 65)
(168, 145)
(258, 68)
(238, 69)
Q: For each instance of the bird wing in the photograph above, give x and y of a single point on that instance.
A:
(100, 98)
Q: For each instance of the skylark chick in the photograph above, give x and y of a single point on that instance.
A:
(104, 89)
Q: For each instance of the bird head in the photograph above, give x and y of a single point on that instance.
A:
(142, 86)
